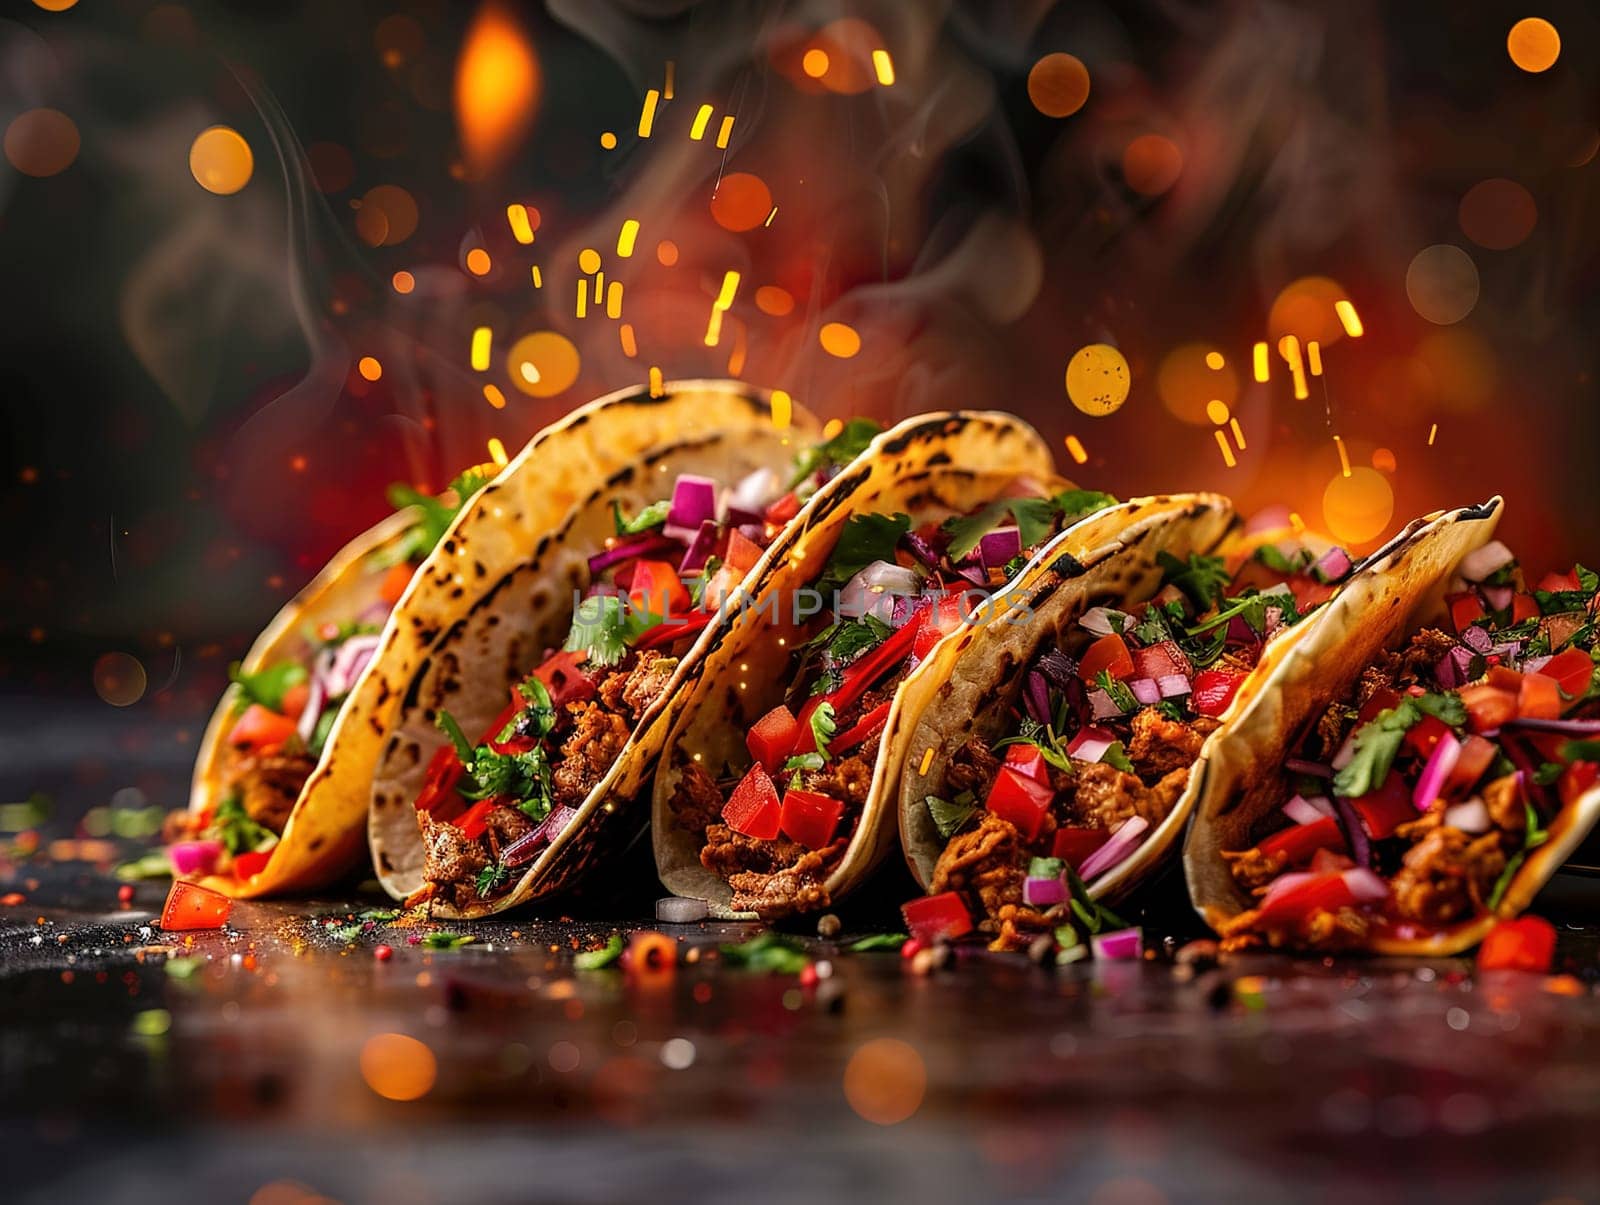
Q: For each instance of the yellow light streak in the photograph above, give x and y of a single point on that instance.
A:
(630, 347)
(666, 88)
(647, 116)
(614, 300)
(583, 299)
(782, 409)
(492, 395)
(725, 132)
(521, 227)
(1076, 450)
(656, 387)
(1351, 319)
(1344, 456)
(1432, 431)
(1238, 434)
(1314, 357)
(884, 66)
(626, 238)
(538, 281)
(714, 328)
(497, 452)
(482, 341)
(1263, 363)
(736, 358)
(1227, 449)
(730, 286)
(702, 118)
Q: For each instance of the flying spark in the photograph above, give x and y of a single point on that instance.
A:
(647, 117)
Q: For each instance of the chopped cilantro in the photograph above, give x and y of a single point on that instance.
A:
(865, 538)
(1533, 836)
(804, 762)
(595, 960)
(1046, 868)
(1581, 751)
(653, 515)
(1116, 756)
(1037, 519)
(154, 865)
(1075, 504)
(1031, 732)
(769, 952)
(1548, 772)
(846, 640)
(267, 686)
(319, 735)
(604, 626)
(1377, 742)
(238, 833)
(837, 452)
(525, 777)
(1203, 579)
(379, 915)
(878, 941)
(1093, 916)
(447, 941)
(950, 818)
(1120, 692)
(824, 723)
(491, 878)
(434, 517)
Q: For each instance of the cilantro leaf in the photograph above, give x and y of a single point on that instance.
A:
(824, 723)
(653, 515)
(267, 686)
(950, 818)
(837, 452)
(1203, 579)
(1036, 519)
(878, 941)
(594, 960)
(1076, 504)
(1446, 707)
(492, 877)
(1581, 751)
(447, 941)
(237, 831)
(434, 516)
(1373, 749)
(603, 626)
(804, 763)
(1532, 838)
(1045, 868)
(865, 538)
(1116, 756)
(447, 724)
(768, 952)
(1120, 692)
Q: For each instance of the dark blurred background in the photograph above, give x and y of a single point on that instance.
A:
(214, 358)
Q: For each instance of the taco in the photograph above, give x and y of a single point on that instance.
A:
(1427, 761)
(261, 818)
(1052, 758)
(774, 792)
(528, 728)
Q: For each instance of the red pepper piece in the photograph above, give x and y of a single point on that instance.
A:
(247, 866)
(1291, 907)
(1525, 944)
(862, 730)
(1387, 808)
(395, 581)
(473, 822)
(1027, 759)
(657, 589)
(1465, 609)
(190, 906)
(936, 917)
(1488, 707)
(1573, 670)
(679, 627)
(258, 728)
(439, 782)
(1109, 653)
(1074, 845)
(873, 666)
(753, 808)
(1214, 690)
(1296, 845)
(771, 740)
(1020, 800)
(810, 817)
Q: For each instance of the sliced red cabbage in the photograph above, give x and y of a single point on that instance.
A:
(1036, 697)
(1299, 765)
(349, 659)
(1355, 833)
(919, 547)
(316, 696)
(1116, 850)
(972, 571)
(1058, 667)
(1482, 563)
(643, 544)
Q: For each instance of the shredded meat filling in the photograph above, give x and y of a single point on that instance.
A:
(1160, 745)
(589, 752)
(983, 863)
(269, 784)
(1447, 876)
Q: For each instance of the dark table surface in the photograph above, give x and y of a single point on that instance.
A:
(236, 1073)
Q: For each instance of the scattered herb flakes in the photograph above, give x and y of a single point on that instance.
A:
(769, 952)
(878, 941)
(154, 865)
(447, 941)
(606, 955)
(380, 915)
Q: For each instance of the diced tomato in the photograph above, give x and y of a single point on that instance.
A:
(1214, 690)
(1387, 808)
(1323, 891)
(564, 679)
(1027, 759)
(1503, 678)
(1381, 700)
(862, 730)
(1109, 653)
(190, 906)
(1524, 606)
(439, 782)
(936, 917)
(1074, 845)
(772, 738)
(1309, 592)
(1325, 861)
(1573, 670)
(1477, 754)
(679, 627)
(742, 553)
(395, 581)
(1525, 944)
(1160, 660)
(295, 700)
(1020, 800)
(247, 866)
(1577, 779)
(810, 817)
(753, 807)
(656, 588)
(1539, 698)
(1560, 583)
(1465, 609)
(937, 621)
(1296, 845)
(1424, 735)
(1488, 707)
(784, 509)
(474, 822)
(258, 728)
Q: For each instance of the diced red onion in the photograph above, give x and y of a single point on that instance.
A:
(1308, 811)
(1091, 743)
(1116, 850)
(1145, 690)
(1332, 565)
(194, 857)
(752, 493)
(694, 500)
(756, 533)
(1299, 765)
(1120, 945)
(1172, 686)
(1498, 597)
(1437, 772)
(1470, 817)
(919, 547)
(1044, 893)
(1367, 886)
(1103, 621)
(349, 659)
(643, 544)
(1283, 883)
(694, 560)
(996, 548)
(872, 591)
(1455, 667)
(1476, 639)
(1482, 562)
(1036, 697)
(1241, 634)
(1534, 664)
(1101, 706)
(970, 570)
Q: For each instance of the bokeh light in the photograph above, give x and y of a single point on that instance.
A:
(741, 201)
(497, 88)
(1534, 44)
(770, 299)
(1442, 284)
(1098, 379)
(1498, 214)
(403, 281)
(221, 161)
(666, 253)
(387, 216)
(543, 364)
(1305, 308)
(1357, 508)
(1058, 85)
(1187, 383)
(839, 339)
(589, 260)
(1152, 164)
(815, 62)
(55, 6)
(398, 1067)
(885, 1081)
(478, 262)
(119, 679)
(398, 40)
(369, 368)
(41, 142)
(846, 46)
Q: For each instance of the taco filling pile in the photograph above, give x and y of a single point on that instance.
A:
(1416, 798)
(283, 712)
(895, 588)
(1107, 728)
(487, 808)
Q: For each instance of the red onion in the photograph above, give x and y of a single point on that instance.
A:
(1308, 811)
(1145, 690)
(1044, 893)
(1102, 707)
(1498, 597)
(1482, 563)
(872, 591)
(316, 696)
(349, 659)
(1091, 743)
(1437, 772)
(1475, 638)
(1470, 817)
(1534, 664)
(1355, 832)
(752, 493)
(694, 560)
(1173, 686)
(523, 848)
(1036, 697)
(970, 570)
(1455, 667)
(1116, 850)
(694, 500)
(996, 548)
(1103, 621)
(1120, 945)
(1569, 727)
(1298, 765)
(1332, 565)
(194, 857)
(1367, 886)
(556, 822)
(919, 547)
(1347, 751)
(1284, 883)
(643, 544)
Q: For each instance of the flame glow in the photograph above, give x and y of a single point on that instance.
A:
(497, 88)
